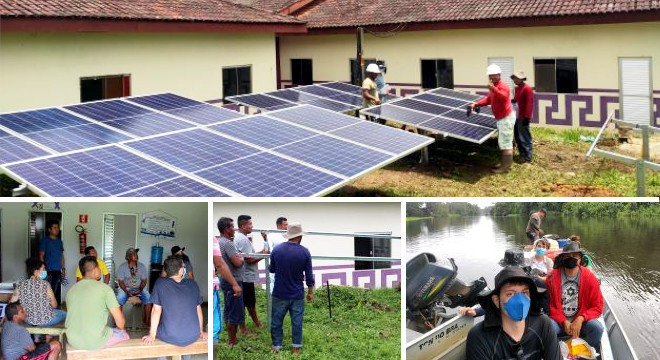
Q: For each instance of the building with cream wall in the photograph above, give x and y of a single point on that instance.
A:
(596, 47)
(333, 217)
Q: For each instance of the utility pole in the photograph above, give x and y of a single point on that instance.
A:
(359, 60)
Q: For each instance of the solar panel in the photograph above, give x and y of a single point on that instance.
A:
(100, 172)
(108, 109)
(263, 131)
(474, 118)
(179, 187)
(456, 94)
(333, 154)
(192, 150)
(355, 101)
(205, 114)
(318, 90)
(395, 113)
(330, 105)
(314, 118)
(382, 137)
(164, 102)
(457, 129)
(260, 101)
(428, 108)
(293, 96)
(36, 120)
(352, 89)
(148, 124)
(442, 100)
(77, 137)
(14, 149)
(285, 178)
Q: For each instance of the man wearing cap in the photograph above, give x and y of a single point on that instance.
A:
(370, 88)
(499, 100)
(292, 263)
(533, 229)
(514, 326)
(91, 251)
(178, 251)
(524, 99)
(132, 278)
(234, 314)
(576, 301)
(251, 268)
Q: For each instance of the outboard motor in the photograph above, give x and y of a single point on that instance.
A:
(431, 287)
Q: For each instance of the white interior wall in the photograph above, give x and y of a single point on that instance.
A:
(191, 233)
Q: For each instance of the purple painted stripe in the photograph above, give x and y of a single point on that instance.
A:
(337, 267)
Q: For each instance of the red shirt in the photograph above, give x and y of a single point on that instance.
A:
(499, 100)
(590, 299)
(525, 100)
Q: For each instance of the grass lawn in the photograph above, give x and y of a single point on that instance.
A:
(559, 168)
(365, 324)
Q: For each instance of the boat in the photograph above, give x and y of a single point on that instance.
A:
(446, 338)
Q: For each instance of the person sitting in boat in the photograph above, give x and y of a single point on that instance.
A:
(586, 259)
(540, 264)
(576, 301)
(514, 327)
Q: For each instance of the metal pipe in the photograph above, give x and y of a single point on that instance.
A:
(327, 283)
(645, 143)
(641, 178)
(618, 157)
(602, 129)
(362, 235)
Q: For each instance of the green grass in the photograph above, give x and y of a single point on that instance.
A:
(417, 218)
(365, 324)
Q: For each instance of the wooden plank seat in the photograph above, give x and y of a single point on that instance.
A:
(136, 349)
(56, 330)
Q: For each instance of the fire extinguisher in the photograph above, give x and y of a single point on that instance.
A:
(82, 237)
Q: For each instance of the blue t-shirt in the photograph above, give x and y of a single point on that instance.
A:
(53, 250)
(179, 324)
(289, 261)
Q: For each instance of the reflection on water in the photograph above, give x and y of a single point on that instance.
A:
(626, 257)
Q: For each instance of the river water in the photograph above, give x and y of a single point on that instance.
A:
(626, 256)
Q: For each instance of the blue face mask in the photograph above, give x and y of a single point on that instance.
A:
(517, 307)
(43, 275)
(540, 251)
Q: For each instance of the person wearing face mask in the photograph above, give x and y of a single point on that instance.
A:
(514, 327)
(37, 296)
(576, 302)
(177, 308)
(539, 262)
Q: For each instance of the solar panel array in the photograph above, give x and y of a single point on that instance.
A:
(441, 111)
(335, 96)
(168, 145)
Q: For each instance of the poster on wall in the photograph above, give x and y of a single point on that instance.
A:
(158, 223)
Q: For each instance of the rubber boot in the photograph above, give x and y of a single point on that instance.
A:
(507, 161)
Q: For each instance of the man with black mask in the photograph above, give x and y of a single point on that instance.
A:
(514, 327)
(576, 302)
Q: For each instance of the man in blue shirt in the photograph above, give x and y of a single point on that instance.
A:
(51, 252)
(289, 261)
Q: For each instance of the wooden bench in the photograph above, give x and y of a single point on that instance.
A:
(56, 330)
(136, 349)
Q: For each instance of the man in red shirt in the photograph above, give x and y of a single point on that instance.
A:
(499, 99)
(524, 99)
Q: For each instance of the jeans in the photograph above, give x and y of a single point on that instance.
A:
(591, 331)
(280, 307)
(523, 139)
(55, 280)
(234, 312)
(60, 315)
(122, 296)
(217, 315)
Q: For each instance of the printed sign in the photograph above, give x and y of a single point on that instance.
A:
(158, 224)
(82, 218)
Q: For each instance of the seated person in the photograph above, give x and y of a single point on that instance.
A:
(132, 278)
(89, 302)
(586, 259)
(37, 296)
(16, 341)
(177, 311)
(91, 251)
(513, 327)
(576, 302)
(540, 264)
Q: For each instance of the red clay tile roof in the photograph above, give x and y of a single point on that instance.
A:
(351, 13)
(219, 11)
(269, 5)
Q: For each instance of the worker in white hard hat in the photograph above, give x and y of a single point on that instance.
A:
(499, 99)
(370, 88)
